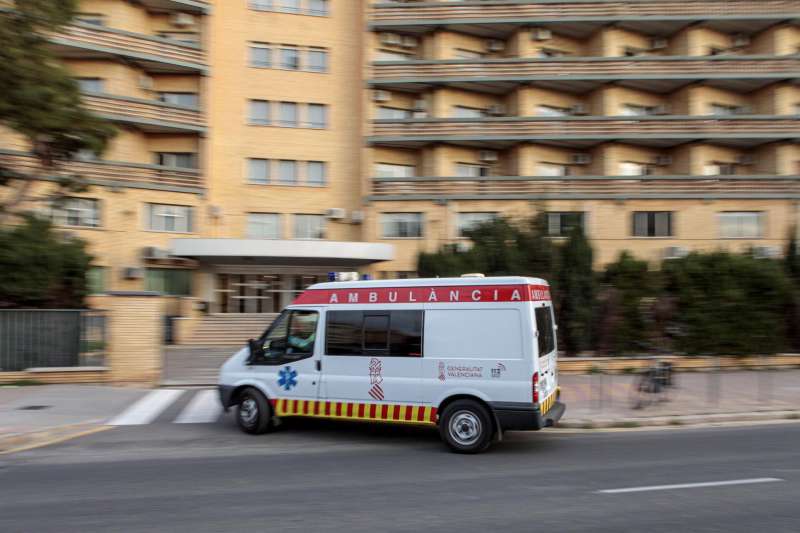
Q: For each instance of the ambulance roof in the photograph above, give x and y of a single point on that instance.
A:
(430, 282)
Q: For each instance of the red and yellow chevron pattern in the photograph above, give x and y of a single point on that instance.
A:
(396, 413)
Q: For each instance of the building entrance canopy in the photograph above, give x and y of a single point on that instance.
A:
(282, 252)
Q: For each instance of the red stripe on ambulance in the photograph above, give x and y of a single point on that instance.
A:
(404, 295)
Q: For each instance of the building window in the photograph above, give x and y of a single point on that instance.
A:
(391, 55)
(461, 53)
(401, 225)
(169, 281)
(471, 170)
(290, 58)
(316, 173)
(188, 37)
(177, 159)
(288, 114)
(722, 110)
(317, 116)
(309, 227)
(260, 55)
(317, 60)
(90, 85)
(460, 111)
(96, 280)
(719, 169)
(258, 112)
(76, 212)
(318, 8)
(171, 218)
(552, 111)
(631, 168)
(552, 169)
(652, 224)
(553, 52)
(261, 5)
(561, 224)
(633, 110)
(258, 170)
(289, 6)
(741, 225)
(390, 170)
(179, 99)
(287, 171)
(263, 226)
(469, 221)
(392, 113)
(91, 18)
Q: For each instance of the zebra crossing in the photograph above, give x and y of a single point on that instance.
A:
(193, 406)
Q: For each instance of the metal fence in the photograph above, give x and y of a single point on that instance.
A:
(38, 338)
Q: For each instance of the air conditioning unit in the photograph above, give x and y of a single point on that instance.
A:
(409, 41)
(658, 43)
(182, 20)
(420, 105)
(214, 211)
(357, 217)
(578, 109)
(495, 45)
(335, 213)
(663, 109)
(746, 159)
(153, 252)
(488, 156)
(381, 96)
(766, 252)
(145, 82)
(496, 110)
(740, 40)
(541, 34)
(391, 39)
(132, 273)
(580, 159)
(663, 160)
(675, 252)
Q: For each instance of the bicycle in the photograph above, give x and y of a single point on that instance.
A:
(652, 384)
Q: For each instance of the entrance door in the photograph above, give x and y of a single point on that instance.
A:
(289, 363)
(373, 356)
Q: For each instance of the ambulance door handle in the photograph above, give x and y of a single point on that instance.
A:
(319, 365)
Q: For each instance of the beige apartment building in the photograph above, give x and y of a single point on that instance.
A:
(264, 143)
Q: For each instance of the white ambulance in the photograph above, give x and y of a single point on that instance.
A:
(472, 355)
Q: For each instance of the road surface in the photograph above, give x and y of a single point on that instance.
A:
(324, 476)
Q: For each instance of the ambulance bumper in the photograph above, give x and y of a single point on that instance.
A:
(521, 417)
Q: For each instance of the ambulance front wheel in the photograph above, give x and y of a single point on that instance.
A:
(253, 413)
(466, 427)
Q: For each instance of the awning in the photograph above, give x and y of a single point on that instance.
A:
(282, 252)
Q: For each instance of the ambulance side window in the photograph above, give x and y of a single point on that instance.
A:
(374, 333)
(544, 325)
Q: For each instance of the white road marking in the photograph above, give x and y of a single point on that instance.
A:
(691, 485)
(203, 408)
(148, 408)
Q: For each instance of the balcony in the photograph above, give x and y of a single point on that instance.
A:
(658, 74)
(114, 173)
(661, 131)
(188, 6)
(528, 11)
(148, 115)
(585, 187)
(154, 54)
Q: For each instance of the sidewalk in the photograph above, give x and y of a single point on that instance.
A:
(604, 400)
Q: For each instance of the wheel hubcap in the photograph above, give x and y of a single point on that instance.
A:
(465, 428)
(248, 411)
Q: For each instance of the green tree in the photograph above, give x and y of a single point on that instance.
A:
(40, 101)
(40, 268)
(576, 293)
(627, 284)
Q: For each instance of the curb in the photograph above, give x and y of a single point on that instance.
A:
(677, 421)
(18, 442)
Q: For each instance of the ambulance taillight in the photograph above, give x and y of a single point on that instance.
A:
(535, 387)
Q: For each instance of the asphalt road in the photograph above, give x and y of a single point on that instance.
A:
(322, 476)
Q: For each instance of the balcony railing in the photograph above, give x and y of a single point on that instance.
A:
(516, 10)
(586, 68)
(588, 128)
(586, 187)
(149, 114)
(113, 173)
(151, 51)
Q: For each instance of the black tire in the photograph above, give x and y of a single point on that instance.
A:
(466, 427)
(253, 412)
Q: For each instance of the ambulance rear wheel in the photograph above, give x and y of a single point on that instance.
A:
(466, 427)
(253, 413)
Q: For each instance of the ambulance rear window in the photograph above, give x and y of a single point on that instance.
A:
(544, 325)
(374, 333)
